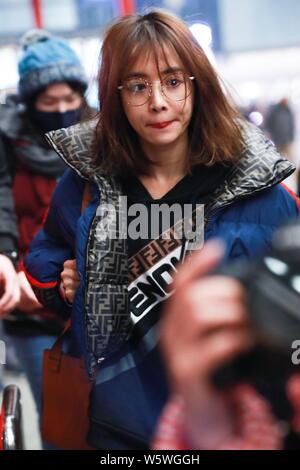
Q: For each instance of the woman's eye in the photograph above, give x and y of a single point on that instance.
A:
(48, 102)
(72, 99)
(136, 87)
(173, 82)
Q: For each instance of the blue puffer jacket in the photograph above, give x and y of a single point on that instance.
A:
(130, 388)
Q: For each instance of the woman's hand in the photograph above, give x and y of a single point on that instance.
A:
(70, 279)
(28, 302)
(205, 324)
(9, 286)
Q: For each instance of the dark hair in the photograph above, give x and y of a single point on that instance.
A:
(86, 111)
(214, 131)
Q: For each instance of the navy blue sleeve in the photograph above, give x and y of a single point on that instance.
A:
(247, 226)
(55, 243)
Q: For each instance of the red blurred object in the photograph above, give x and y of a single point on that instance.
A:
(36, 5)
(127, 7)
(2, 422)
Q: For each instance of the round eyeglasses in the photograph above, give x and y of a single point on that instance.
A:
(176, 86)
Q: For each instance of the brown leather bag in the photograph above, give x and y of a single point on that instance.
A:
(66, 391)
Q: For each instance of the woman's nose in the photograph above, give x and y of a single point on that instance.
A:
(157, 98)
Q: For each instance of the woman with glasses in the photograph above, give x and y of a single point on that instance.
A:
(167, 143)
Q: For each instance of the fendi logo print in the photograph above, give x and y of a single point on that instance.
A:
(155, 285)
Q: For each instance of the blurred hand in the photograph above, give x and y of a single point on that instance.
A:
(204, 325)
(9, 286)
(28, 301)
(70, 279)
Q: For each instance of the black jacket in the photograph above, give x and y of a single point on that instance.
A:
(8, 222)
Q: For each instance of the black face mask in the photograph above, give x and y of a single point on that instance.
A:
(46, 121)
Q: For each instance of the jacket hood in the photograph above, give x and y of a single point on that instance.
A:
(259, 167)
(11, 118)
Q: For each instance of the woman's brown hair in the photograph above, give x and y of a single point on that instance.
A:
(214, 131)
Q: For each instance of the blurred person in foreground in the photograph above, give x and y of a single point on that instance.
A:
(52, 83)
(214, 330)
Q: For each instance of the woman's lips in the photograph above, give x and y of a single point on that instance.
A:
(161, 125)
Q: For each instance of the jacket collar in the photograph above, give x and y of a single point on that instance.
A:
(259, 167)
(74, 145)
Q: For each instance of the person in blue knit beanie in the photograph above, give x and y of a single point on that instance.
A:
(47, 59)
(51, 88)
(50, 69)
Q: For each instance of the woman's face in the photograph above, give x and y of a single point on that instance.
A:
(163, 119)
